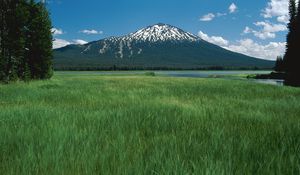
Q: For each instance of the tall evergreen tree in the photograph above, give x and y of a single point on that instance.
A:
(46, 40)
(279, 65)
(22, 15)
(39, 42)
(13, 18)
(8, 44)
(290, 58)
(18, 38)
(3, 40)
(25, 41)
(297, 58)
(2, 22)
(290, 46)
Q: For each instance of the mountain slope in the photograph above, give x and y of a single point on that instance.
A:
(160, 46)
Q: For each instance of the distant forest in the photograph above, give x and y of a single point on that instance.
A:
(124, 68)
(25, 41)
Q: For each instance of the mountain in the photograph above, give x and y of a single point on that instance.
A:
(159, 46)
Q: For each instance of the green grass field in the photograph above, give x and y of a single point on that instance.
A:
(91, 124)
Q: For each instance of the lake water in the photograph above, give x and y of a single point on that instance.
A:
(207, 74)
(270, 81)
(188, 74)
(221, 74)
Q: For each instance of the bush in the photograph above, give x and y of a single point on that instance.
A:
(152, 74)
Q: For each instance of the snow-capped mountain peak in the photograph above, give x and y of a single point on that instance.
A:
(162, 32)
(132, 44)
(159, 46)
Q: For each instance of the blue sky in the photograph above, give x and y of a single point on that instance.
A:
(255, 28)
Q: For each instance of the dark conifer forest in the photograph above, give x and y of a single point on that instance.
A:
(25, 41)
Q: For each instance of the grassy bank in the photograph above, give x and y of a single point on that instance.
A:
(91, 124)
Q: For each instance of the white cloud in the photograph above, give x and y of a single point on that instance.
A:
(248, 47)
(264, 35)
(80, 42)
(247, 30)
(283, 19)
(58, 43)
(211, 16)
(91, 32)
(268, 30)
(221, 14)
(207, 17)
(275, 9)
(272, 28)
(56, 31)
(232, 8)
(278, 9)
(213, 39)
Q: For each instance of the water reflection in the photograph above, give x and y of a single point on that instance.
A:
(270, 81)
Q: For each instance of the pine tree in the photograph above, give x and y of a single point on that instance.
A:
(21, 16)
(25, 41)
(46, 43)
(279, 65)
(23, 13)
(7, 71)
(297, 58)
(291, 47)
(2, 22)
(13, 20)
(39, 43)
(3, 40)
(13, 41)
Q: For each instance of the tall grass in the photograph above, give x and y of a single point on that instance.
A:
(89, 124)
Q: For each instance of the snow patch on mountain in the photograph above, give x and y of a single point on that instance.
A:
(121, 50)
(140, 51)
(103, 49)
(149, 35)
(162, 32)
(156, 33)
(86, 49)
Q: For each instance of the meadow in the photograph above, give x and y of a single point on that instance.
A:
(144, 124)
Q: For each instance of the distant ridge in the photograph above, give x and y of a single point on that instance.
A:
(159, 46)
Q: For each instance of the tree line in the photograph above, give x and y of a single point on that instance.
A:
(290, 63)
(133, 68)
(25, 41)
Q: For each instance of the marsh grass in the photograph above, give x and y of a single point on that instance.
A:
(79, 124)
